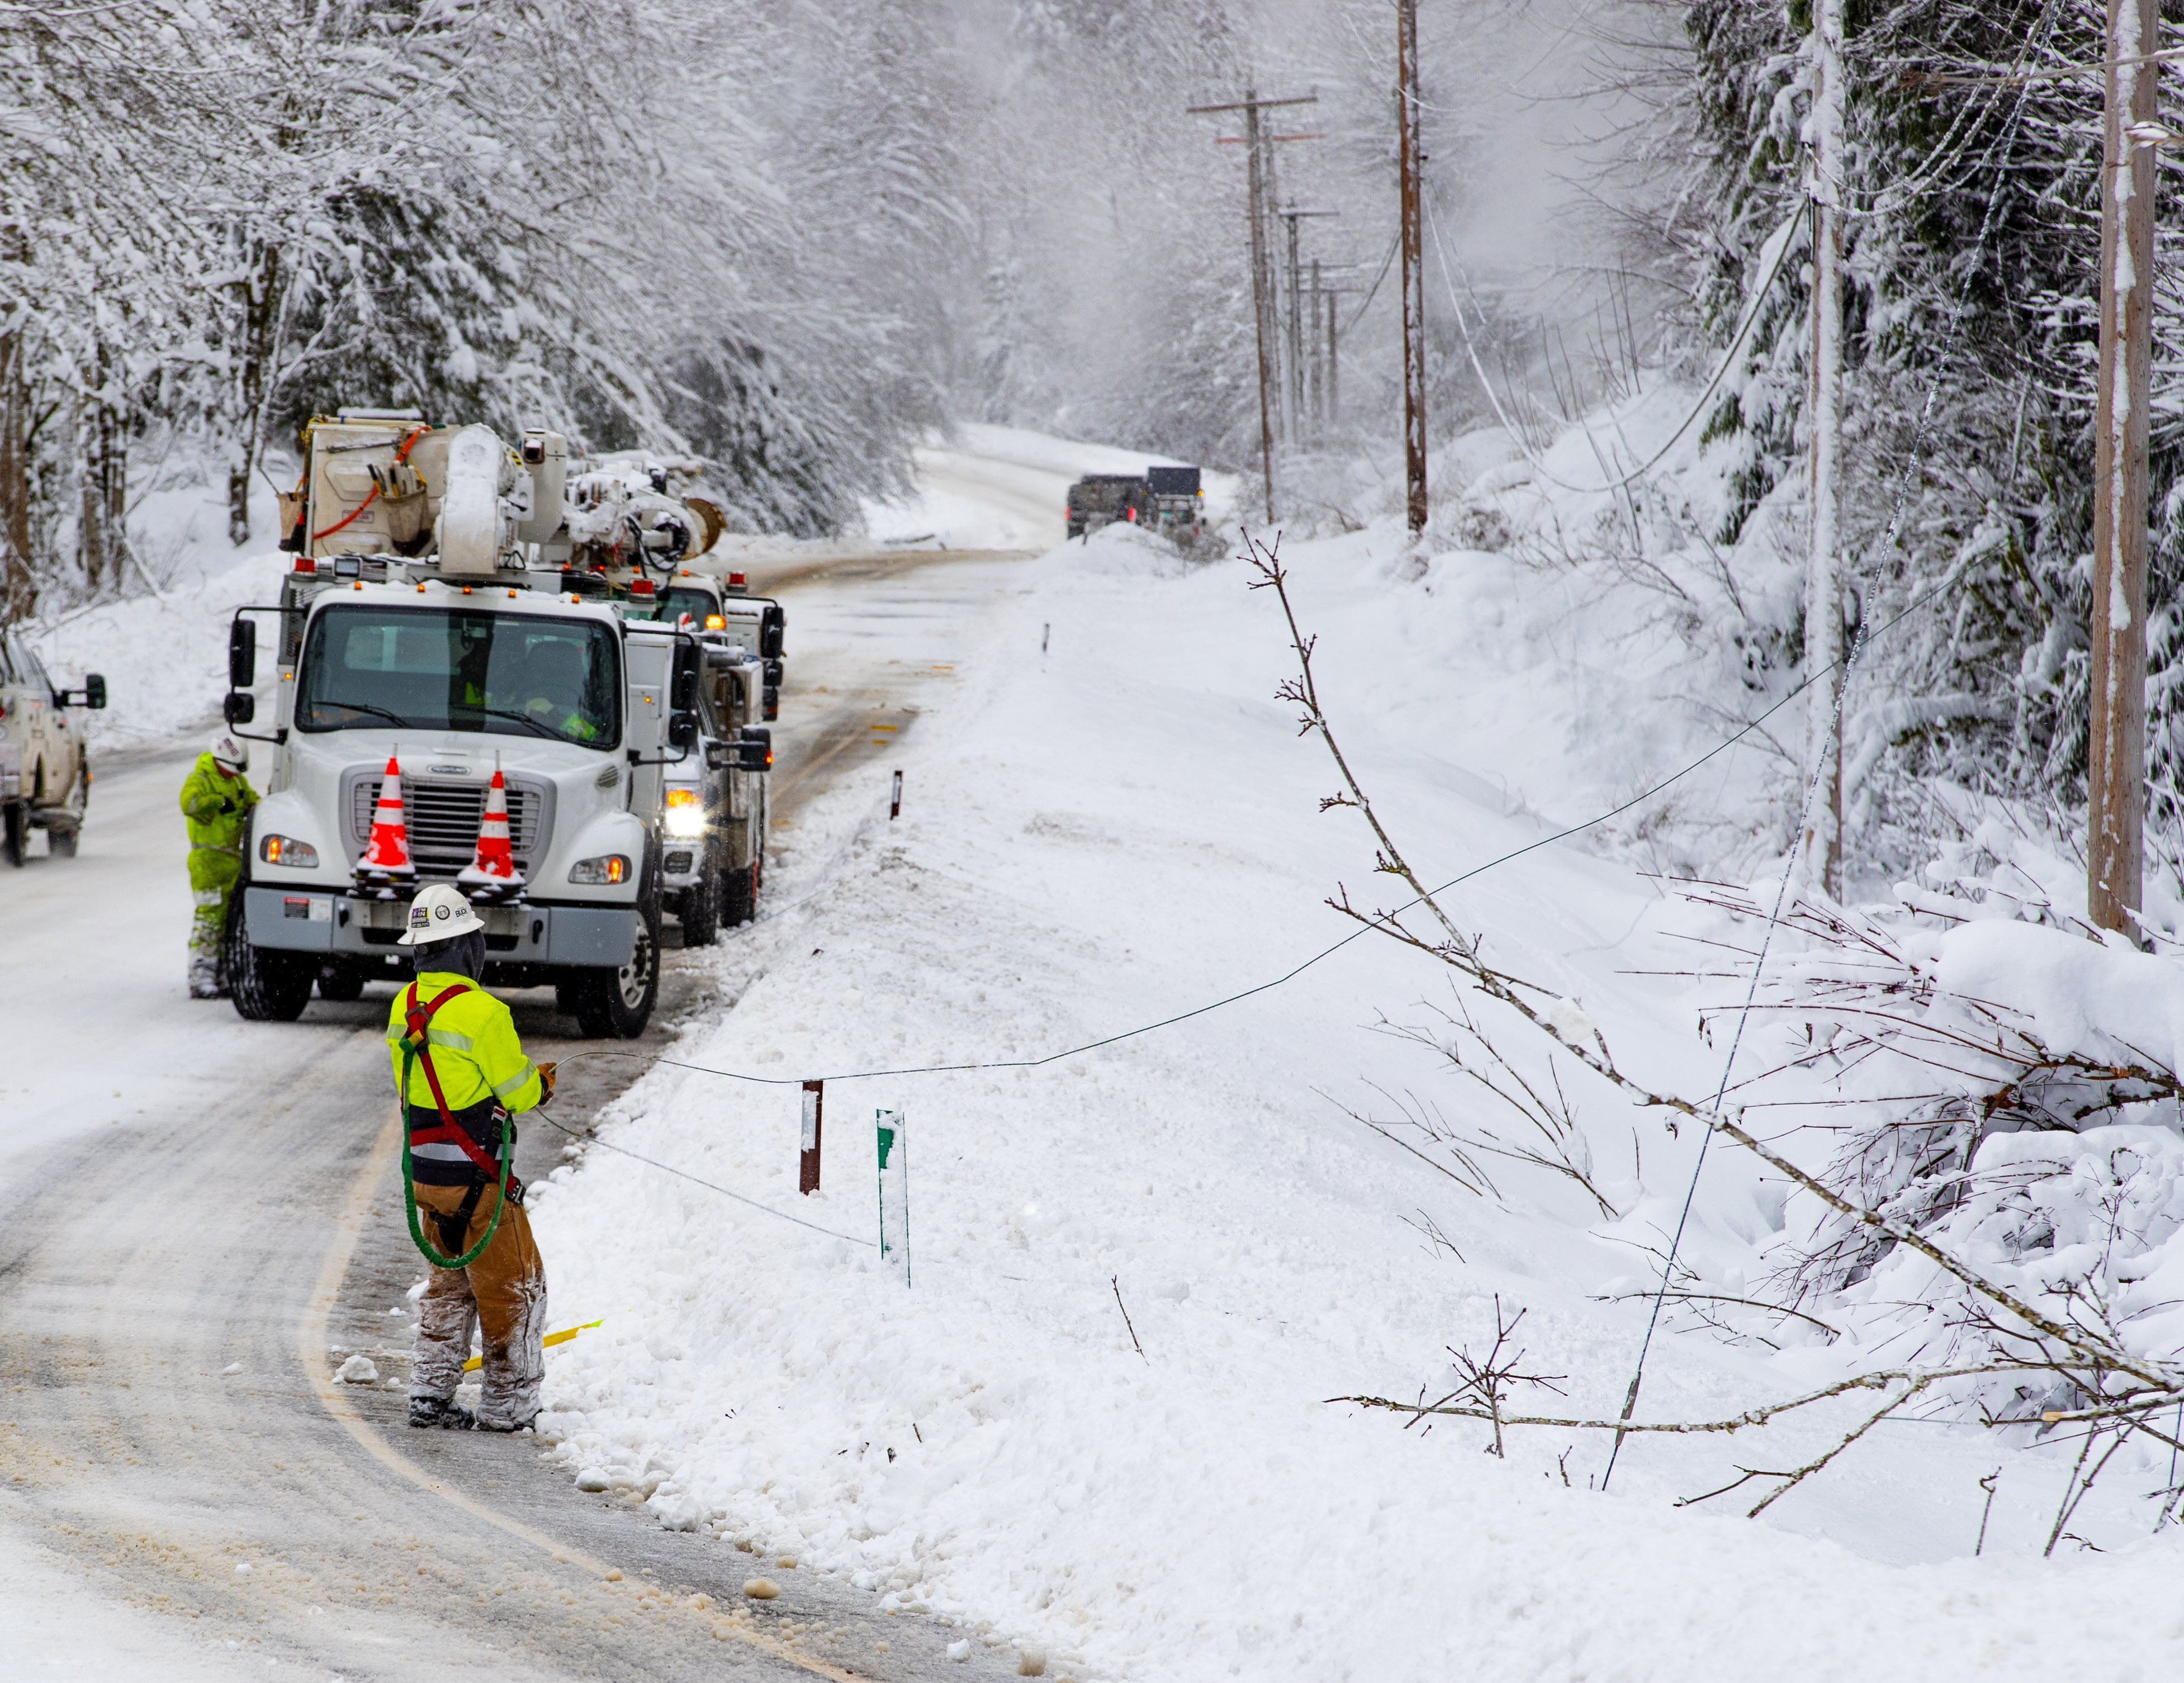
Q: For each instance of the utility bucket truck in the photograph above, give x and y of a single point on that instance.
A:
(430, 646)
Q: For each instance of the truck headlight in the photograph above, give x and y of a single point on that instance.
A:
(297, 855)
(607, 869)
(686, 813)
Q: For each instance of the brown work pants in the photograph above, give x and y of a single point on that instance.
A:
(503, 1294)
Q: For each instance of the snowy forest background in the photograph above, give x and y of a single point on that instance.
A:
(792, 240)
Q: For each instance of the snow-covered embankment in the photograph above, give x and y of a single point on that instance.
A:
(1117, 830)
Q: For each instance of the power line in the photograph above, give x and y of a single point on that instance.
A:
(1721, 748)
(1780, 239)
(681, 1174)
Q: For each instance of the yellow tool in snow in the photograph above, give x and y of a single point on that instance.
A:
(560, 1337)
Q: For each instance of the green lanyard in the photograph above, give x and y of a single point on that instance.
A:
(409, 1182)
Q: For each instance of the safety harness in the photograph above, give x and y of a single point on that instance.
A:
(417, 1049)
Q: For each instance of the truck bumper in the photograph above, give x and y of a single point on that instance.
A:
(342, 925)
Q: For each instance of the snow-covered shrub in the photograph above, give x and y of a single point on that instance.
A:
(1997, 1082)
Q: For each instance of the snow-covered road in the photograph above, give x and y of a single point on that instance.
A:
(199, 1218)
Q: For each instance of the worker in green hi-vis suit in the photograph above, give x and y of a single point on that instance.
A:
(216, 800)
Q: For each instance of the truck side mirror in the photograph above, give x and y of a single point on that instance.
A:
(94, 690)
(772, 632)
(683, 687)
(681, 729)
(755, 750)
(240, 707)
(242, 655)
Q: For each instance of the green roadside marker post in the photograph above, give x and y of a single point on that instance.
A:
(889, 1128)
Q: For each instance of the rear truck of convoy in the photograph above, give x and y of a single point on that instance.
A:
(713, 848)
(440, 625)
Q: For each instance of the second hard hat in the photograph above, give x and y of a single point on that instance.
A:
(440, 913)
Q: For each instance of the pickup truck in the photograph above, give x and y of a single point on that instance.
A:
(45, 774)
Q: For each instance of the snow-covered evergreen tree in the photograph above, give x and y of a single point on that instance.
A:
(1969, 325)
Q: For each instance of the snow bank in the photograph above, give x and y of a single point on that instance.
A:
(1125, 828)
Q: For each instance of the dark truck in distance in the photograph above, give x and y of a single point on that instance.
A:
(1100, 499)
(1175, 503)
(1163, 499)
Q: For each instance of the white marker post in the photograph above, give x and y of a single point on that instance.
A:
(894, 798)
(807, 1163)
(894, 1189)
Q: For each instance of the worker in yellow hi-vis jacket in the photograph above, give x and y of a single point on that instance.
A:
(467, 1077)
(216, 802)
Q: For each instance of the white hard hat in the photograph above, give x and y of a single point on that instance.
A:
(440, 913)
(230, 752)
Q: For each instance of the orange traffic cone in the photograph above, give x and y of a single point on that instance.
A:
(387, 853)
(494, 863)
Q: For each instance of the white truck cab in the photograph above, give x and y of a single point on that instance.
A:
(460, 660)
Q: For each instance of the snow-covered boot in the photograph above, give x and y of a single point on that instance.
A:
(530, 1423)
(204, 978)
(427, 1412)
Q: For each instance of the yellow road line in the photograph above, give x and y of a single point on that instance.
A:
(311, 1350)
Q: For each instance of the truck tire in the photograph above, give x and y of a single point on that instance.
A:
(14, 831)
(267, 985)
(701, 907)
(739, 896)
(342, 982)
(615, 1005)
(61, 839)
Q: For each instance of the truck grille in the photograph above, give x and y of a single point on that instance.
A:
(443, 819)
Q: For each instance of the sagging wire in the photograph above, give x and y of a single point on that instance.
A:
(1781, 239)
(1939, 588)
(683, 1174)
(1865, 638)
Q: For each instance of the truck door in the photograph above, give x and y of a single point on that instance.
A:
(36, 698)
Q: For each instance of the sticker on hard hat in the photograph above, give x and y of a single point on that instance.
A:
(421, 917)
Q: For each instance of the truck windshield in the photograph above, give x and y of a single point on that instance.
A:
(671, 605)
(440, 669)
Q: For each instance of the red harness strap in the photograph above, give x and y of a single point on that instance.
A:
(419, 1019)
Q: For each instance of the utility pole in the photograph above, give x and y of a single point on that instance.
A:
(2115, 750)
(1822, 841)
(1259, 159)
(1414, 276)
(1298, 342)
(1333, 374)
(1320, 361)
